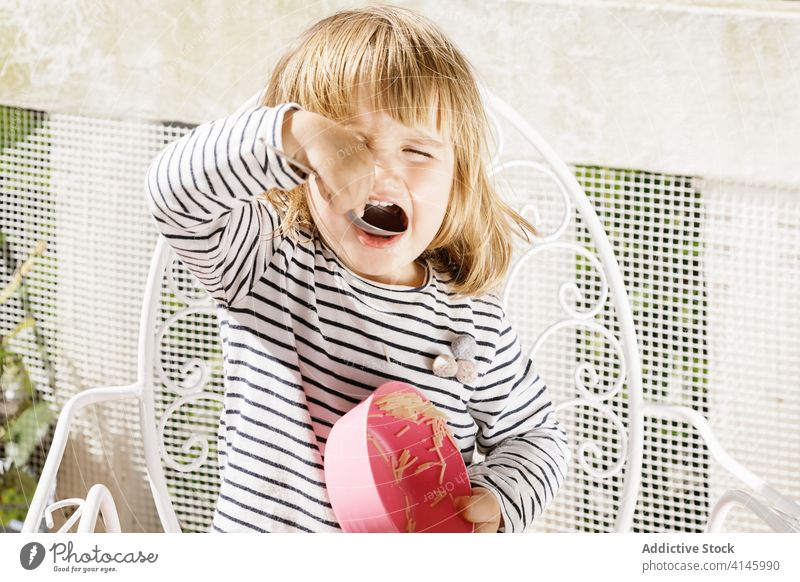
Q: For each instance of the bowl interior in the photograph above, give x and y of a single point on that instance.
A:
(417, 467)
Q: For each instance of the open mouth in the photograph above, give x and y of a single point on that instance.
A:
(390, 217)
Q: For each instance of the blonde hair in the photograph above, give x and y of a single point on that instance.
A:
(403, 60)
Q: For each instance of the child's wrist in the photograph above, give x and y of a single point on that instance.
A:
(295, 122)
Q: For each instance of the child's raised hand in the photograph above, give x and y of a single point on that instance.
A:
(344, 164)
(482, 509)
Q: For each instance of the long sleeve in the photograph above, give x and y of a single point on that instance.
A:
(201, 190)
(526, 448)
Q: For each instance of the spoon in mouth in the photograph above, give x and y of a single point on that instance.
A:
(367, 227)
(351, 215)
(357, 220)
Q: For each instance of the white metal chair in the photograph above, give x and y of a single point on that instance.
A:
(616, 414)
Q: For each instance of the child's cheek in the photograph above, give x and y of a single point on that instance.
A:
(429, 181)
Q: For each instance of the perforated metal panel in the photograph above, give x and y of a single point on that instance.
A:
(77, 183)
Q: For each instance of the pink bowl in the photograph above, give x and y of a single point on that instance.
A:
(383, 473)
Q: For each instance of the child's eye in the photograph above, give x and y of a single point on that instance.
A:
(419, 153)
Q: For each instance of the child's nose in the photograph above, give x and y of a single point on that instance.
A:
(387, 177)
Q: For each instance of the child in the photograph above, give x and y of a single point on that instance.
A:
(381, 106)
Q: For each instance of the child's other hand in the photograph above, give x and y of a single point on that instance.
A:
(482, 509)
(344, 164)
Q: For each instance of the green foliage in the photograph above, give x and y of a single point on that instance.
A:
(19, 123)
(16, 491)
(14, 377)
(27, 430)
(25, 419)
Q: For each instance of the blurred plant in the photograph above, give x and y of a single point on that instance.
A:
(26, 419)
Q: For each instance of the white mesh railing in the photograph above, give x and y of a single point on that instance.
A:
(712, 275)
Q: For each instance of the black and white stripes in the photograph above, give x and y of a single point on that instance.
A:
(305, 340)
(525, 446)
(205, 182)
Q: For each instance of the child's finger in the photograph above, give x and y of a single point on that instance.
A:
(476, 508)
(486, 527)
(352, 192)
(362, 189)
(466, 506)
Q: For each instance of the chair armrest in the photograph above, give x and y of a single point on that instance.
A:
(99, 500)
(773, 519)
(778, 502)
(56, 453)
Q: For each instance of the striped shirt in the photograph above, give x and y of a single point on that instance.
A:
(305, 339)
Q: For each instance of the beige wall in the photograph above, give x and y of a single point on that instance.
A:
(702, 88)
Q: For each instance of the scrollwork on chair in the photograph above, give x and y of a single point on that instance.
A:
(576, 318)
(195, 372)
(497, 169)
(590, 313)
(194, 438)
(593, 399)
(586, 446)
(202, 296)
(585, 394)
(777, 520)
(567, 285)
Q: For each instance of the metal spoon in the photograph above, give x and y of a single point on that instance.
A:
(366, 226)
(357, 220)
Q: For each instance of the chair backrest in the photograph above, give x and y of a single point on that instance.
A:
(566, 295)
(180, 368)
(639, 463)
(586, 321)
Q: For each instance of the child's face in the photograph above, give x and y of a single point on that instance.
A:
(413, 173)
